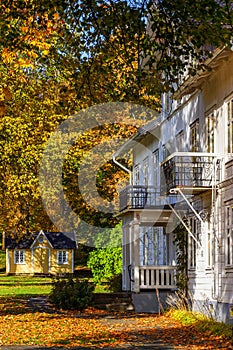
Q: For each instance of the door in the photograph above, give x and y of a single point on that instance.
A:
(41, 260)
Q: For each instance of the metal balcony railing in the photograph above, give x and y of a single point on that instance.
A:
(190, 170)
(139, 197)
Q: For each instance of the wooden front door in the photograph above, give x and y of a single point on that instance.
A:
(41, 260)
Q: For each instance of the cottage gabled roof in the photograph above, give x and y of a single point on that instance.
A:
(57, 240)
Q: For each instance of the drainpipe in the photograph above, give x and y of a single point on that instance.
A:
(123, 168)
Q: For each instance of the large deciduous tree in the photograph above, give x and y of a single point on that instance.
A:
(58, 57)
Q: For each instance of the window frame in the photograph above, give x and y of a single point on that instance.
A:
(156, 167)
(229, 235)
(195, 136)
(180, 141)
(19, 257)
(209, 246)
(229, 124)
(63, 253)
(136, 175)
(146, 172)
(192, 244)
(210, 131)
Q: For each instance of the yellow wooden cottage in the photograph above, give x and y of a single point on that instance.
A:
(41, 253)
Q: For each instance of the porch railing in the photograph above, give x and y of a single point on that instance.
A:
(190, 170)
(152, 277)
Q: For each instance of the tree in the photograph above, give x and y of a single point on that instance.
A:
(62, 56)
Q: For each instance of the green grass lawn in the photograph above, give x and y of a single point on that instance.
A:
(23, 285)
(29, 285)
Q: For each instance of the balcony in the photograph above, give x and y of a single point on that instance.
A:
(194, 172)
(139, 197)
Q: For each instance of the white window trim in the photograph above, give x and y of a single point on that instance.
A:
(17, 260)
(229, 235)
(210, 122)
(136, 175)
(63, 262)
(192, 245)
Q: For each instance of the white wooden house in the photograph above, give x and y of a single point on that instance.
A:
(183, 166)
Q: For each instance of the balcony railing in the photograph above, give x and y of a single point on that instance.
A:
(139, 197)
(190, 170)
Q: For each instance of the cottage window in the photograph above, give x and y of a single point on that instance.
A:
(229, 235)
(19, 257)
(62, 257)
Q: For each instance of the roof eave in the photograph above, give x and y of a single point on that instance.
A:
(192, 83)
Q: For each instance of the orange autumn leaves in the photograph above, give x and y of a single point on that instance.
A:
(97, 329)
(41, 329)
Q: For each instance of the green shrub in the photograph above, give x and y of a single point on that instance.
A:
(105, 263)
(71, 294)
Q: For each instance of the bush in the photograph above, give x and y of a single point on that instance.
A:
(105, 263)
(71, 294)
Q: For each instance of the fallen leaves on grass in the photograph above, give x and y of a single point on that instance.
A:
(95, 328)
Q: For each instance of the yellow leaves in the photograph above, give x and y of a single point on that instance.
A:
(45, 52)
(56, 16)
(8, 56)
(24, 29)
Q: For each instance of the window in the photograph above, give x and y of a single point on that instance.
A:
(230, 126)
(229, 234)
(180, 142)
(19, 257)
(152, 246)
(210, 137)
(62, 257)
(136, 175)
(156, 167)
(166, 153)
(145, 171)
(194, 136)
(193, 243)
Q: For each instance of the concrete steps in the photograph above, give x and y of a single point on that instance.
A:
(120, 301)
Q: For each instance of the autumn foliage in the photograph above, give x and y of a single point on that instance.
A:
(97, 329)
